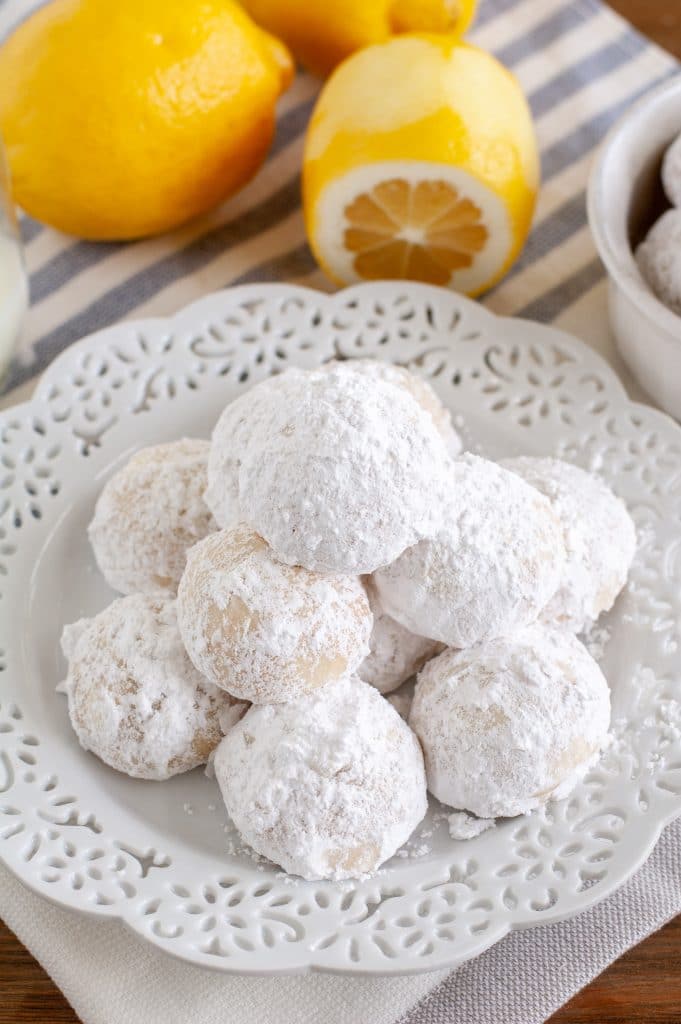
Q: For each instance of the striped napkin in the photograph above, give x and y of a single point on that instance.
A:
(581, 67)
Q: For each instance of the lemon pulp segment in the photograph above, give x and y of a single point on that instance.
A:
(412, 220)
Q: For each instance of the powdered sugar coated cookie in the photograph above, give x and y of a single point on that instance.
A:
(148, 516)
(329, 786)
(659, 259)
(266, 631)
(600, 539)
(490, 569)
(511, 722)
(135, 699)
(333, 466)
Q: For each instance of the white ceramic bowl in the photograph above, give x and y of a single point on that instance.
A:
(625, 198)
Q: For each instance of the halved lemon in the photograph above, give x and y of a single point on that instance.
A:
(420, 163)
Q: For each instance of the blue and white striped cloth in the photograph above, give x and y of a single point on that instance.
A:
(580, 67)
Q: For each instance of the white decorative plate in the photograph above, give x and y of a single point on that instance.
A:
(157, 856)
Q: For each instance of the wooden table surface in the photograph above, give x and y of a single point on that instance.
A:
(643, 987)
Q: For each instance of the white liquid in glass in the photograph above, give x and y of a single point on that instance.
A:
(13, 297)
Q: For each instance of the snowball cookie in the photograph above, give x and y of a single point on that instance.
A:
(510, 723)
(395, 653)
(418, 388)
(659, 259)
(232, 435)
(339, 471)
(671, 172)
(266, 631)
(148, 515)
(135, 699)
(329, 786)
(600, 539)
(491, 568)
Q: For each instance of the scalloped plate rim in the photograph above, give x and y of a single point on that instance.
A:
(646, 841)
(219, 965)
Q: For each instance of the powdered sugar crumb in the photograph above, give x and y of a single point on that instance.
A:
(420, 851)
(596, 639)
(467, 826)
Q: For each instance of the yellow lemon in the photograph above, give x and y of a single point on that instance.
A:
(421, 163)
(125, 119)
(321, 35)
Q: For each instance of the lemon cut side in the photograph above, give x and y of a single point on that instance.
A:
(421, 221)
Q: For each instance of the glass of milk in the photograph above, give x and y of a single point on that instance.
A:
(13, 284)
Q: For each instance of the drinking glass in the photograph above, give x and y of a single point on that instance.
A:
(13, 283)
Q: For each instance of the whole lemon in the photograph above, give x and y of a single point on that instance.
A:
(322, 35)
(125, 119)
(420, 162)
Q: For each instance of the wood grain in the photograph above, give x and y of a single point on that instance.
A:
(26, 992)
(644, 987)
(660, 20)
